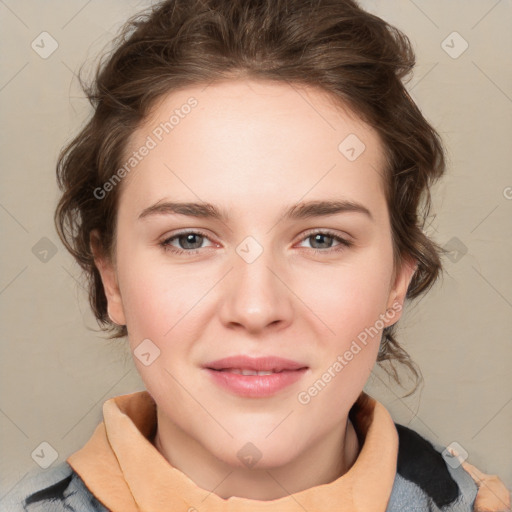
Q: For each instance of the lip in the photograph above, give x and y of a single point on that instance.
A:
(255, 386)
(266, 363)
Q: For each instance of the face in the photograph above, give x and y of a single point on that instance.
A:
(264, 279)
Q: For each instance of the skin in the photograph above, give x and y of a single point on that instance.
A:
(254, 148)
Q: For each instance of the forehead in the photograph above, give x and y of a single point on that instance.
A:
(252, 137)
(255, 104)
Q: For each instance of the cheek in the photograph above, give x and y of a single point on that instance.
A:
(347, 304)
(348, 297)
(162, 304)
(158, 299)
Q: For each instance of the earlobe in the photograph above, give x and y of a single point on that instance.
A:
(399, 289)
(109, 279)
(113, 320)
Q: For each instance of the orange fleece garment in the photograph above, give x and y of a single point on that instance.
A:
(124, 470)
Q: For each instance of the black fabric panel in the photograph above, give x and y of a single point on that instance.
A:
(420, 463)
(55, 491)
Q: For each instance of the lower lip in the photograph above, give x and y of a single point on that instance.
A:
(256, 386)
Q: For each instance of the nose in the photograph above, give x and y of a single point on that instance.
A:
(256, 296)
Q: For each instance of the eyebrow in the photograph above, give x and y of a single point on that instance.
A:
(304, 210)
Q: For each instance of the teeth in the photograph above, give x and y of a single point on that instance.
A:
(250, 372)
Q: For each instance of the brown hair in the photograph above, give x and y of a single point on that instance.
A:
(334, 45)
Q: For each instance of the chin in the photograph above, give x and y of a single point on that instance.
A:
(256, 454)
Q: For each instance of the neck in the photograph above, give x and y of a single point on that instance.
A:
(322, 463)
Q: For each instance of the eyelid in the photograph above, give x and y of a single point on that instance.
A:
(186, 231)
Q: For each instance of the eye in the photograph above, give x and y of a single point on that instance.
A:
(191, 241)
(325, 237)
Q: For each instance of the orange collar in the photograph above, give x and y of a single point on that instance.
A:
(123, 469)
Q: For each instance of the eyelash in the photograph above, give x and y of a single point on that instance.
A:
(343, 243)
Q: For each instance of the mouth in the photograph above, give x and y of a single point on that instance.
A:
(246, 365)
(244, 371)
(255, 378)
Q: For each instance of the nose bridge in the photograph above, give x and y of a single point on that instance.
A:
(256, 296)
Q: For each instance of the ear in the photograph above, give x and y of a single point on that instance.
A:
(109, 279)
(398, 290)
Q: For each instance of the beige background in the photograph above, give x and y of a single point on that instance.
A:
(57, 371)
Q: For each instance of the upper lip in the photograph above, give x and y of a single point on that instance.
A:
(266, 363)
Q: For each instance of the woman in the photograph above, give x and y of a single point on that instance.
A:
(247, 201)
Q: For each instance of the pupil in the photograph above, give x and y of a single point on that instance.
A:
(319, 237)
(189, 239)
